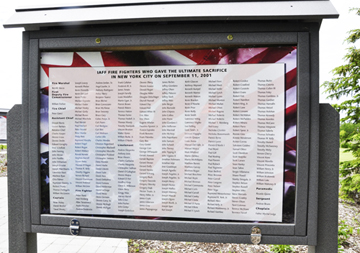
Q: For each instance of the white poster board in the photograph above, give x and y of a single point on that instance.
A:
(203, 142)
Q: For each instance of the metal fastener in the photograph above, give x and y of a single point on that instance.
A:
(230, 37)
(74, 227)
(97, 40)
(255, 235)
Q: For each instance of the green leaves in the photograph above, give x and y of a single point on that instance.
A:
(282, 249)
(354, 35)
(346, 84)
(344, 232)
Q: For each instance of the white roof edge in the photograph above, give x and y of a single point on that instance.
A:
(189, 10)
(105, 3)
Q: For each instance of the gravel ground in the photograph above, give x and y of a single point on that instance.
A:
(350, 214)
(3, 165)
(142, 246)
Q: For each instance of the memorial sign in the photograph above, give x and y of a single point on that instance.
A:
(183, 140)
(174, 120)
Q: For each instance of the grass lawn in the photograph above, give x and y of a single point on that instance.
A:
(345, 156)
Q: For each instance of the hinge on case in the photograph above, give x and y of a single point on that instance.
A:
(74, 227)
(255, 235)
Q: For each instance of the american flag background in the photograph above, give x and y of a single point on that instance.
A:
(254, 55)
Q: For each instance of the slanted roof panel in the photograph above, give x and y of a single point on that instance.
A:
(170, 10)
(100, 3)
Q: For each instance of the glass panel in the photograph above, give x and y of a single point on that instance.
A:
(170, 134)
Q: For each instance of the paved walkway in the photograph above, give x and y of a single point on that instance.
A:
(49, 243)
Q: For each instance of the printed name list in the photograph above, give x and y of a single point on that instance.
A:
(203, 142)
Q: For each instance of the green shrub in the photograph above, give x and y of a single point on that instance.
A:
(344, 232)
(282, 249)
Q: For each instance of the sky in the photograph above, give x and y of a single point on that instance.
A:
(332, 47)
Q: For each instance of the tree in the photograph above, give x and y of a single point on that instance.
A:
(346, 83)
(347, 130)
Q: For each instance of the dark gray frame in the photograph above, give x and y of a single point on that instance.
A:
(304, 35)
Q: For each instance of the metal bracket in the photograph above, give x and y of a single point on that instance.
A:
(74, 227)
(255, 235)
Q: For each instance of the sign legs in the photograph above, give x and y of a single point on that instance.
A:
(19, 241)
(327, 230)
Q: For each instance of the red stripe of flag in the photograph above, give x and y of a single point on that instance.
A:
(271, 55)
(78, 61)
(290, 144)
